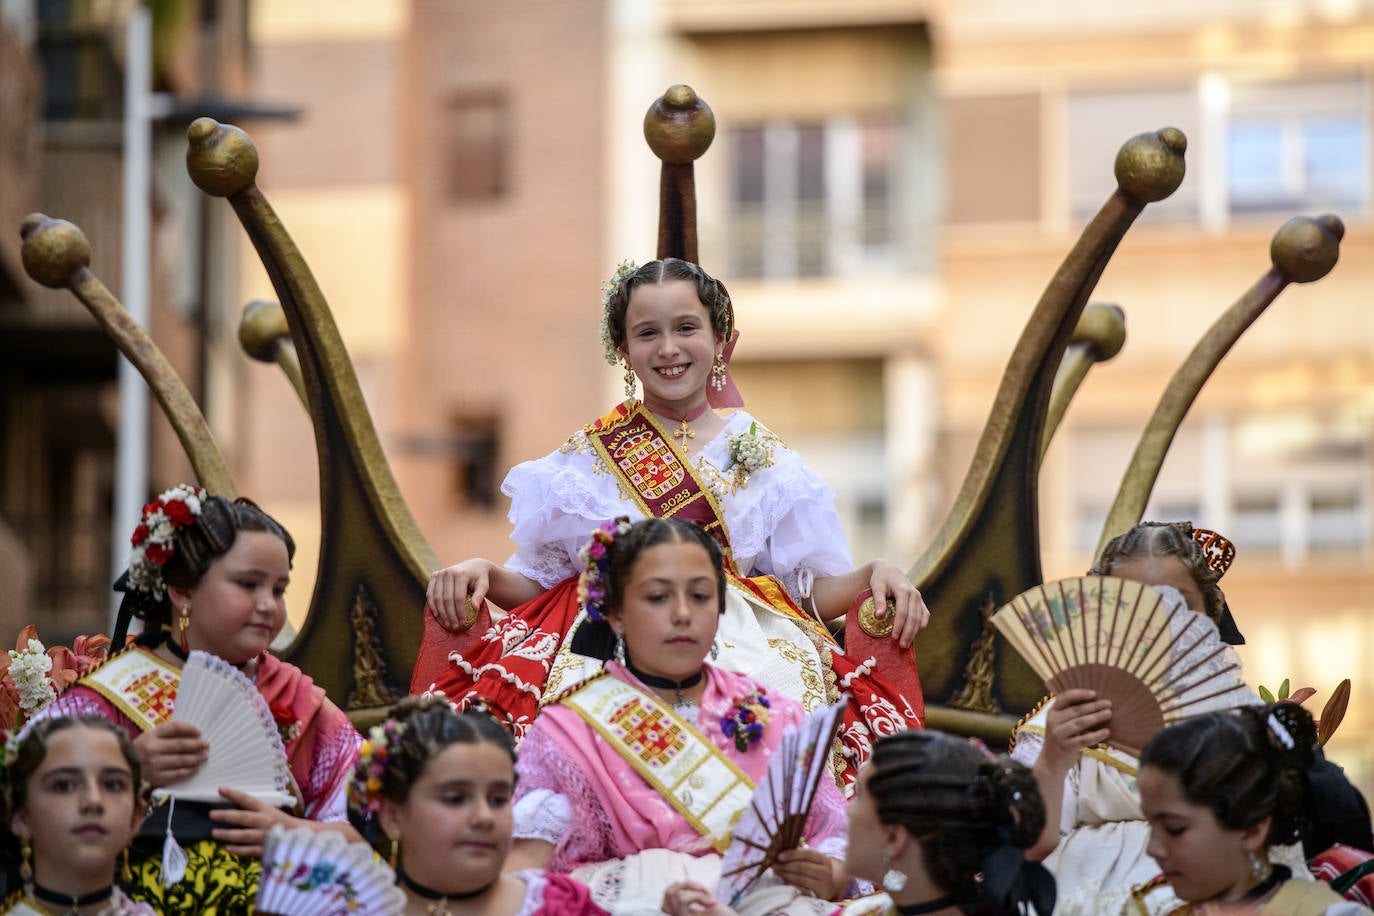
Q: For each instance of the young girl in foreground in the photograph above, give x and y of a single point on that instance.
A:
(634, 778)
(208, 573)
(1218, 791)
(72, 799)
(440, 784)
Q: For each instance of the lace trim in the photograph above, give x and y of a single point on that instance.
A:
(542, 815)
(544, 765)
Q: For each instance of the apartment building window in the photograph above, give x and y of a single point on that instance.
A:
(810, 199)
(476, 145)
(1298, 146)
(1274, 147)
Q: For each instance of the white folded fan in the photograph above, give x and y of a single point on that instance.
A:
(318, 873)
(246, 752)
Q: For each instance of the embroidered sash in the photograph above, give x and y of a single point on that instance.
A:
(691, 773)
(659, 477)
(139, 684)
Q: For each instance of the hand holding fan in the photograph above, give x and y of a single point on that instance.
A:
(777, 812)
(317, 873)
(246, 752)
(1157, 661)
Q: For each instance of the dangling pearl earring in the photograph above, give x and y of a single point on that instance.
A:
(629, 380)
(718, 373)
(620, 647)
(893, 879)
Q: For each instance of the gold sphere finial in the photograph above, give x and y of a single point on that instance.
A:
(679, 126)
(1150, 166)
(262, 329)
(1306, 248)
(1103, 326)
(220, 158)
(53, 249)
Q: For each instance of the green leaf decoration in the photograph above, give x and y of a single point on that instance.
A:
(1283, 689)
(1265, 695)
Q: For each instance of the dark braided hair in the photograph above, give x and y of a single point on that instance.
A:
(712, 293)
(431, 726)
(959, 805)
(199, 544)
(595, 638)
(1166, 539)
(1239, 766)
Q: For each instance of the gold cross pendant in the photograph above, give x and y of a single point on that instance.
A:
(684, 432)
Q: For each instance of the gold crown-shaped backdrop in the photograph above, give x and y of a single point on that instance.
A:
(363, 630)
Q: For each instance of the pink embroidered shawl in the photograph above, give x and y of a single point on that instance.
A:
(623, 813)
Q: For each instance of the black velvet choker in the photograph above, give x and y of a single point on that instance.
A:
(663, 683)
(1277, 875)
(48, 895)
(930, 906)
(429, 893)
(175, 648)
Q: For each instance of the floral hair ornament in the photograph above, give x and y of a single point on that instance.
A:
(1217, 551)
(596, 560)
(365, 788)
(154, 540)
(609, 290)
(746, 720)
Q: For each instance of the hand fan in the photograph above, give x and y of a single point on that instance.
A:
(776, 815)
(246, 752)
(1157, 661)
(318, 873)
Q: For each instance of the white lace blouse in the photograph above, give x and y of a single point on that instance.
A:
(781, 517)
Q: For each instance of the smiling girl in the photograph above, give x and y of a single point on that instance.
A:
(211, 574)
(679, 451)
(72, 798)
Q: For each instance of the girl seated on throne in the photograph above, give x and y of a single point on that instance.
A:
(671, 454)
(634, 778)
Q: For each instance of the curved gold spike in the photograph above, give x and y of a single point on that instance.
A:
(265, 336)
(1303, 250)
(57, 254)
(988, 549)
(1098, 337)
(374, 562)
(679, 128)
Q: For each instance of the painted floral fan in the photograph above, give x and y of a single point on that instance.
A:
(319, 873)
(1157, 661)
(776, 815)
(246, 752)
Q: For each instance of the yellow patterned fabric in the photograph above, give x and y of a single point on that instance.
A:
(217, 882)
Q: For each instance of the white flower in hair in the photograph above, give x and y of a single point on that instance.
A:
(608, 293)
(30, 668)
(154, 540)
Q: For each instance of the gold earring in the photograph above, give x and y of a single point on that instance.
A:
(182, 624)
(25, 861)
(395, 853)
(629, 379)
(127, 875)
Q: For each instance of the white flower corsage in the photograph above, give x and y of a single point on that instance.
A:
(749, 451)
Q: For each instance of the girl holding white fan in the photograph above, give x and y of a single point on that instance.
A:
(210, 574)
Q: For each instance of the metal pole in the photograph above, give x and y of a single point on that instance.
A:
(131, 456)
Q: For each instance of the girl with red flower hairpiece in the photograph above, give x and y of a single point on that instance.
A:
(210, 574)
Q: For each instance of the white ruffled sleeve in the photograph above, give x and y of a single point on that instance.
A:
(783, 520)
(556, 501)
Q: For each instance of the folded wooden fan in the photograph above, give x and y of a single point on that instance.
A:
(246, 752)
(776, 816)
(1153, 658)
(318, 873)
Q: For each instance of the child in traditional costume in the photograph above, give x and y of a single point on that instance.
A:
(1218, 792)
(439, 783)
(210, 574)
(673, 455)
(73, 800)
(634, 778)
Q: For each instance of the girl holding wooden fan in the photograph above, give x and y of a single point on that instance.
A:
(439, 784)
(633, 779)
(1219, 791)
(210, 574)
(1095, 835)
(73, 801)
